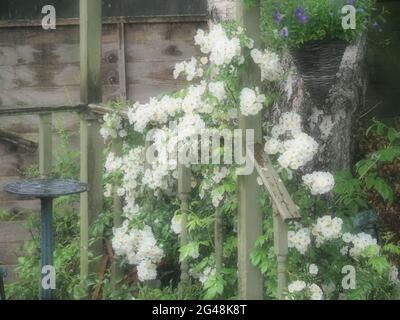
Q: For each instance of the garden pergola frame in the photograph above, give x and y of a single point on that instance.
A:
(250, 216)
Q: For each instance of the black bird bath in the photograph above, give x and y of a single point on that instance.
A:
(46, 191)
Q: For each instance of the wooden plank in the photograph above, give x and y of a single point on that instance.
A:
(147, 32)
(122, 60)
(107, 20)
(60, 75)
(142, 92)
(7, 77)
(45, 144)
(153, 73)
(184, 187)
(37, 36)
(17, 141)
(218, 239)
(274, 185)
(19, 205)
(9, 252)
(161, 50)
(9, 164)
(27, 125)
(250, 216)
(26, 46)
(44, 109)
(281, 251)
(116, 271)
(91, 141)
(46, 76)
(14, 231)
(35, 99)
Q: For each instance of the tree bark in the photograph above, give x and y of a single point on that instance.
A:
(331, 125)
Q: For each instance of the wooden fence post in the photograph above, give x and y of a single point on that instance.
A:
(91, 141)
(281, 251)
(45, 144)
(218, 239)
(184, 187)
(116, 272)
(284, 210)
(251, 281)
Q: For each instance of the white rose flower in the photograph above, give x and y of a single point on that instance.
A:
(347, 237)
(316, 292)
(217, 89)
(273, 146)
(296, 286)
(176, 224)
(251, 102)
(269, 63)
(319, 182)
(121, 192)
(394, 275)
(313, 269)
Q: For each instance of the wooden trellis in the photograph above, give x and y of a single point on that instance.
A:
(249, 213)
(284, 210)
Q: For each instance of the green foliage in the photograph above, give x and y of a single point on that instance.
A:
(350, 190)
(214, 287)
(6, 215)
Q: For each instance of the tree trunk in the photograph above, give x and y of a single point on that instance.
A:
(331, 124)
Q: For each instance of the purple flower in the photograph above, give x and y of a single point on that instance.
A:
(278, 17)
(351, 2)
(301, 15)
(284, 32)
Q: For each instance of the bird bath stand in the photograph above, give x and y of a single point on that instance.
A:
(46, 191)
(3, 274)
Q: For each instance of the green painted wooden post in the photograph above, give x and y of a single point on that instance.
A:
(184, 187)
(45, 144)
(116, 272)
(250, 214)
(91, 141)
(281, 251)
(218, 239)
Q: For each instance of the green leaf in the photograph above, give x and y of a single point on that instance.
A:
(364, 166)
(380, 264)
(214, 287)
(388, 154)
(188, 250)
(393, 135)
(384, 189)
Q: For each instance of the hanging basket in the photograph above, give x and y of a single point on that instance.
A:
(318, 63)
